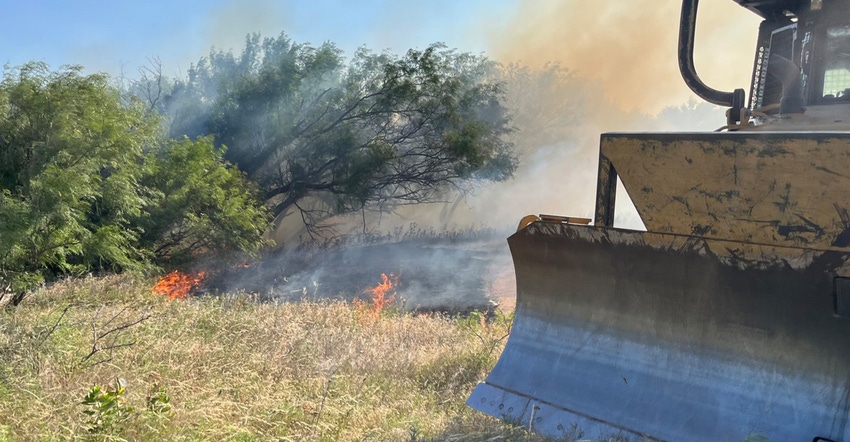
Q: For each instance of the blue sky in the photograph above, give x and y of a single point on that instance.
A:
(104, 35)
(628, 47)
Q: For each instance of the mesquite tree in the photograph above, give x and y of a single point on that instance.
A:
(323, 135)
(87, 183)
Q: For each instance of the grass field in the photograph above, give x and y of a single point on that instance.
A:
(230, 368)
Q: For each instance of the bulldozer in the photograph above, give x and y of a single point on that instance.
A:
(728, 318)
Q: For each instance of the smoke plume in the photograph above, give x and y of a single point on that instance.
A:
(630, 47)
(572, 70)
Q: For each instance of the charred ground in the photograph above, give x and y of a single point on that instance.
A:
(450, 272)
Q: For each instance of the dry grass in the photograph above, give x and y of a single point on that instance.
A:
(239, 370)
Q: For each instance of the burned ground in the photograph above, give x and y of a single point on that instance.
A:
(445, 274)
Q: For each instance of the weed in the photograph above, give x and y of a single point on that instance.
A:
(106, 407)
(490, 330)
(5, 433)
(159, 402)
(414, 432)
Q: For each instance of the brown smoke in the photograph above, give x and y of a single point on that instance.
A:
(630, 46)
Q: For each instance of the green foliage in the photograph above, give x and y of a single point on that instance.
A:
(374, 132)
(202, 204)
(5, 435)
(107, 410)
(106, 407)
(478, 322)
(70, 152)
(159, 402)
(80, 189)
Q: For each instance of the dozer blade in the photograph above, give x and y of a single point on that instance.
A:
(653, 336)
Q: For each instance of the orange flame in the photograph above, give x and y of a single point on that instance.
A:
(382, 295)
(380, 298)
(176, 285)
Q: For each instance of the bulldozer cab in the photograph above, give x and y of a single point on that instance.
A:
(816, 36)
(728, 319)
(802, 63)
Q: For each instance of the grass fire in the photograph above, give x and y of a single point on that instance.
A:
(278, 240)
(319, 338)
(177, 285)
